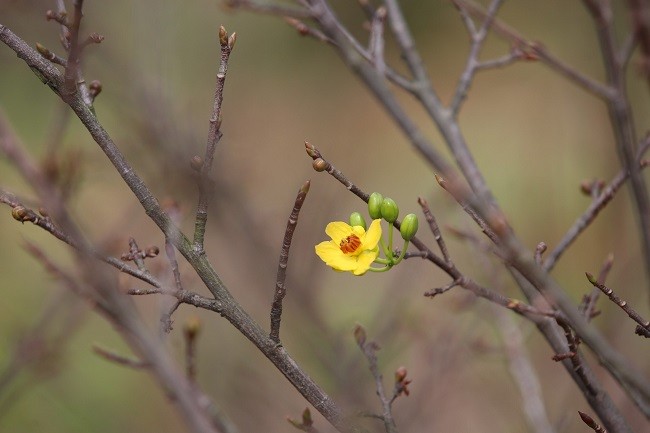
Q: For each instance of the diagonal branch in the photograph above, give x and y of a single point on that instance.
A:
(223, 302)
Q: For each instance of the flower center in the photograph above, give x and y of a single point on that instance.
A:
(350, 244)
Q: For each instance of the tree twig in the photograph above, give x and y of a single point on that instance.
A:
(280, 288)
(369, 349)
(227, 43)
(618, 301)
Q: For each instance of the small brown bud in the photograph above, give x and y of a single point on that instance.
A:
(196, 163)
(401, 382)
(43, 212)
(95, 88)
(223, 36)
(192, 327)
(360, 335)
(231, 40)
(320, 164)
(42, 50)
(152, 251)
(20, 213)
(311, 150)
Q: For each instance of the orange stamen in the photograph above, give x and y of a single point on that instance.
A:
(350, 244)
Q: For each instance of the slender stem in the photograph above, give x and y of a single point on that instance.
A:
(618, 301)
(433, 225)
(620, 114)
(478, 38)
(214, 135)
(280, 288)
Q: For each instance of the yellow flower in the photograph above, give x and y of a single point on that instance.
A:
(351, 249)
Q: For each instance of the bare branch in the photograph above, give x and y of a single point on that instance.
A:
(618, 301)
(280, 289)
(369, 349)
(119, 359)
(606, 195)
(214, 135)
(471, 66)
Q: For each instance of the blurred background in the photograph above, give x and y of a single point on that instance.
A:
(535, 136)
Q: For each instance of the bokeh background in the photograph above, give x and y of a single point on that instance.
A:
(535, 136)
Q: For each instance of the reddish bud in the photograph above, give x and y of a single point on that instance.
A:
(152, 251)
(95, 88)
(360, 335)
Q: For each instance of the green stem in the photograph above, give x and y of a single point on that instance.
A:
(383, 269)
(382, 261)
(389, 254)
(403, 253)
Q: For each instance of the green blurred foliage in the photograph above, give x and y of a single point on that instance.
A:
(534, 135)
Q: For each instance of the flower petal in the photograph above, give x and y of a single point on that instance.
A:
(331, 254)
(371, 239)
(338, 230)
(364, 260)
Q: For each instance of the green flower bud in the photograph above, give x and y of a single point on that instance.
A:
(389, 210)
(374, 205)
(409, 227)
(356, 219)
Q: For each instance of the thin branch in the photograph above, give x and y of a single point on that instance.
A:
(369, 349)
(111, 356)
(171, 257)
(376, 83)
(622, 121)
(440, 290)
(377, 43)
(280, 288)
(640, 14)
(618, 301)
(523, 373)
(452, 188)
(589, 310)
(74, 52)
(606, 195)
(538, 51)
(269, 8)
(433, 225)
(214, 135)
(574, 355)
(471, 66)
(515, 55)
(305, 30)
